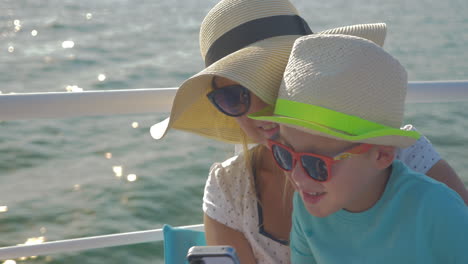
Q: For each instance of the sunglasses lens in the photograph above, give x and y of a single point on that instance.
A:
(315, 167)
(231, 100)
(283, 157)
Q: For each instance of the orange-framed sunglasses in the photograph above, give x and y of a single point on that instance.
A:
(318, 167)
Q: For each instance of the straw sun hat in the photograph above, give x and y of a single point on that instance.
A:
(247, 41)
(343, 87)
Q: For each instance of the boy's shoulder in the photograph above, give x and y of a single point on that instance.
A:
(410, 184)
(402, 174)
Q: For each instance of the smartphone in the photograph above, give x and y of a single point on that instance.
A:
(212, 255)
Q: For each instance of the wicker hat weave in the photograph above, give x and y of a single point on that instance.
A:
(343, 87)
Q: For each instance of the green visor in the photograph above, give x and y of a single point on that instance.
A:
(335, 124)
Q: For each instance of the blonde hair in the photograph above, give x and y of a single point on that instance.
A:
(253, 158)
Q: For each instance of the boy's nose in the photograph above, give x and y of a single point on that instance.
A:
(300, 177)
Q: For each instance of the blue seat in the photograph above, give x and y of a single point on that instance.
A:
(178, 241)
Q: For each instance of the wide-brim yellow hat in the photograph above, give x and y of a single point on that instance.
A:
(343, 87)
(249, 42)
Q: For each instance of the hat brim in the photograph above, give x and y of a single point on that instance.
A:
(259, 67)
(387, 136)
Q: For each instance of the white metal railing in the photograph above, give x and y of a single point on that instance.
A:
(86, 243)
(86, 103)
(437, 91)
(154, 100)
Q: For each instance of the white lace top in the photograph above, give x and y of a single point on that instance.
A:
(230, 198)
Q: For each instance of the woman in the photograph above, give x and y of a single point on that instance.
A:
(246, 45)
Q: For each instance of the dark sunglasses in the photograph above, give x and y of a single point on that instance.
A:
(233, 100)
(318, 167)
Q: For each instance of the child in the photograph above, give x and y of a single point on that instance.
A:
(340, 108)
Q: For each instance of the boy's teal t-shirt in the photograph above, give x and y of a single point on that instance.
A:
(417, 220)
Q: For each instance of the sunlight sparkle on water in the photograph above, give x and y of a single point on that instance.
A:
(68, 44)
(34, 33)
(117, 170)
(32, 241)
(131, 177)
(73, 88)
(89, 16)
(17, 24)
(101, 77)
(11, 49)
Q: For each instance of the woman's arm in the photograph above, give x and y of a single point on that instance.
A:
(441, 171)
(219, 234)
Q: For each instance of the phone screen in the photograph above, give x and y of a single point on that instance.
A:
(213, 260)
(212, 255)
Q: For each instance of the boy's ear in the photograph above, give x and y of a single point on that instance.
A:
(384, 156)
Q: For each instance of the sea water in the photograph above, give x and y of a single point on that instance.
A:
(76, 177)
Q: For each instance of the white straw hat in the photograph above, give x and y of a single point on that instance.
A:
(249, 42)
(343, 87)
